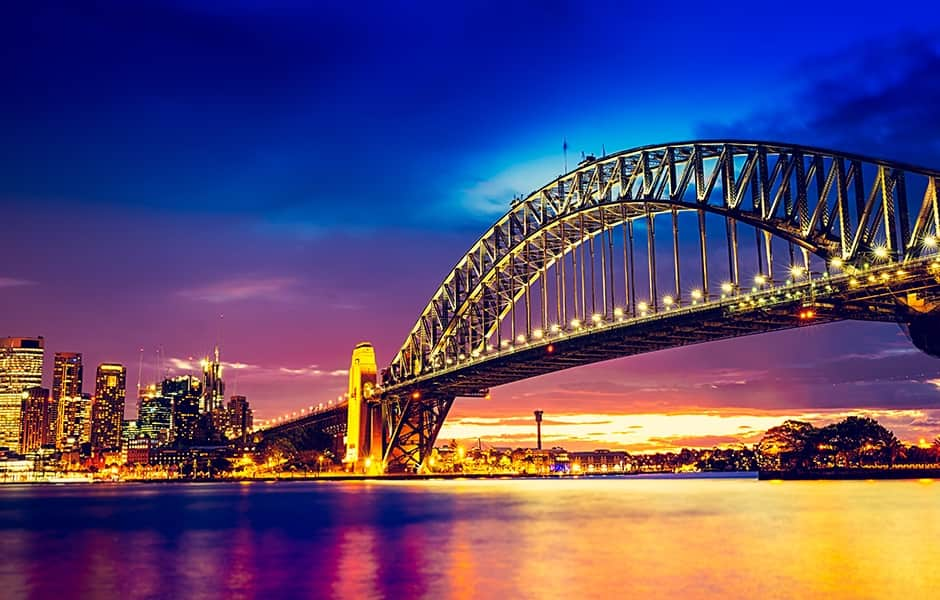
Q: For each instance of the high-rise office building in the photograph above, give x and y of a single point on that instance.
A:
(75, 422)
(155, 417)
(240, 418)
(185, 393)
(33, 419)
(213, 388)
(20, 370)
(108, 406)
(67, 372)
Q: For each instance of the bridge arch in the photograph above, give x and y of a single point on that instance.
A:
(832, 207)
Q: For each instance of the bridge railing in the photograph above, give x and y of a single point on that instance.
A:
(301, 414)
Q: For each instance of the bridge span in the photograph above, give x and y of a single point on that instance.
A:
(753, 237)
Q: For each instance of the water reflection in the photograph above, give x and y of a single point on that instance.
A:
(469, 539)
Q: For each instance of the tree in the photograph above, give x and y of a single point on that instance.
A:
(278, 452)
(787, 446)
(860, 440)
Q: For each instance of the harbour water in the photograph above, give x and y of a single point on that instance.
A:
(583, 538)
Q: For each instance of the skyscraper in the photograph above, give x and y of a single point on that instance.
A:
(20, 370)
(67, 372)
(155, 417)
(74, 422)
(240, 418)
(33, 420)
(213, 388)
(184, 392)
(108, 406)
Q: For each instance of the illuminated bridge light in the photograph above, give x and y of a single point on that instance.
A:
(575, 323)
(760, 279)
(836, 262)
(696, 294)
(930, 241)
(668, 301)
(520, 338)
(727, 288)
(537, 334)
(596, 318)
(555, 328)
(881, 252)
(797, 271)
(618, 312)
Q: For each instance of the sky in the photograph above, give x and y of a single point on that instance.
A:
(289, 178)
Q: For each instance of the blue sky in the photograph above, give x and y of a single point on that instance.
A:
(312, 170)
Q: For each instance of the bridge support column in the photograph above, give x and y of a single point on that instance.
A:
(364, 419)
(415, 421)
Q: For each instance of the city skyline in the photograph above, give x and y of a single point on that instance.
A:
(264, 223)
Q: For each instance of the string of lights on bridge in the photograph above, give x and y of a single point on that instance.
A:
(303, 413)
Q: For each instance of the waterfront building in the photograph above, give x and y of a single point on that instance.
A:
(139, 450)
(108, 407)
(240, 418)
(20, 369)
(33, 419)
(600, 461)
(67, 375)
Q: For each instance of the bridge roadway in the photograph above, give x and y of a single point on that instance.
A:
(864, 295)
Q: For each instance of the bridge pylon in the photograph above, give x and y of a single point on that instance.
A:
(364, 428)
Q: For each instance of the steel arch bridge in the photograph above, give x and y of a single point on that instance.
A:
(752, 237)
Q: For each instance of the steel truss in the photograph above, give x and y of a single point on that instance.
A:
(551, 262)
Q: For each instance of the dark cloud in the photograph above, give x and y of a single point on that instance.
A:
(878, 99)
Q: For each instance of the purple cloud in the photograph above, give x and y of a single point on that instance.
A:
(239, 289)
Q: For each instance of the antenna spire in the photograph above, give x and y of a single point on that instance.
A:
(564, 149)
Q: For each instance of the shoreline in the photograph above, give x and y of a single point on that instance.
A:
(412, 477)
(857, 474)
(852, 474)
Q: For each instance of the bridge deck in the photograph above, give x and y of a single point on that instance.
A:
(873, 295)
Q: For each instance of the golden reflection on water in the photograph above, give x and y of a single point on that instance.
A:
(695, 538)
(613, 538)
